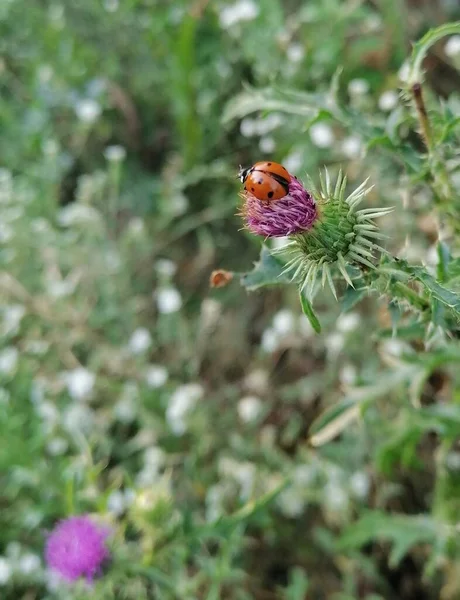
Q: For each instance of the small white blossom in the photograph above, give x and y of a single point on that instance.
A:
(57, 446)
(249, 408)
(80, 383)
(156, 376)
(267, 145)
(8, 360)
(77, 214)
(248, 127)
(115, 153)
(48, 412)
(335, 497)
(77, 418)
(136, 227)
(180, 404)
(140, 341)
(28, 564)
(294, 161)
(295, 52)
(5, 571)
(283, 322)
(358, 87)
(88, 110)
(322, 135)
(348, 374)
(452, 47)
(269, 342)
(352, 146)
(334, 343)
(178, 204)
(169, 300)
(12, 316)
(388, 100)
(257, 381)
(242, 10)
(291, 502)
(116, 503)
(348, 322)
(268, 123)
(360, 485)
(165, 267)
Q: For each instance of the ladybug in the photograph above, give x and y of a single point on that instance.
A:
(266, 180)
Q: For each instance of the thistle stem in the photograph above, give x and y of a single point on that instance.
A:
(422, 113)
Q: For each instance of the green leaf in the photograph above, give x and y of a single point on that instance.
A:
(336, 419)
(308, 311)
(402, 531)
(421, 48)
(267, 271)
(273, 99)
(444, 260)
(298, 585)
(447, 297)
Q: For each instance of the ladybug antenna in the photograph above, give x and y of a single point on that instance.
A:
(242, 173)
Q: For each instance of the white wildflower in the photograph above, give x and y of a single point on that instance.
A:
(334, 343)
(180, 404)
(293, 162)
(270, 341)
(322, 135)
(12, 316)
(358, 87)
(140, 341)
(452, 47)
(348, 322)
(88, 110)
(283, 322)
(80, 383)
(8, 360)
(116, 503)
(115, 153)
(360, 485)
(169, 300)
(77, 214)
(249, 408)
(267, 145)
(291, 503)
(295, 52)
(57, 446)
(5, 571)
(78, 418)
(248, 127)
(352, 146)
(28, 564)
(242, 10)
(165, 267)
(156, 376)
(388, 100)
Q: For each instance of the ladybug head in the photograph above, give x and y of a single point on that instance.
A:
(243, 173)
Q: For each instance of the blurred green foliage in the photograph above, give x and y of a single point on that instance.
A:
(235, 452)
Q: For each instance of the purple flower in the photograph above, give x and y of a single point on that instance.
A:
(76, 548)
(294, 213)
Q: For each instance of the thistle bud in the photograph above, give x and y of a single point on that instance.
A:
(326, 230)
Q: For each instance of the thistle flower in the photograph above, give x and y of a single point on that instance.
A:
(325, 229)
(76, 548)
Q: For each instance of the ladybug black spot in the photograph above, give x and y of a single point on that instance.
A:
(269, 164)
(270, 194)
(260, 182)
(252, 189)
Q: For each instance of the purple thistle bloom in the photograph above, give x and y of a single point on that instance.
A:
(294, 213)
(76, 548)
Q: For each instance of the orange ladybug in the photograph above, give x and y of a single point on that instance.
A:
(266, 180)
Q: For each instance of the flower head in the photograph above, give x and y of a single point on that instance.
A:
(325, 229)
(76, 548)
(294, 213)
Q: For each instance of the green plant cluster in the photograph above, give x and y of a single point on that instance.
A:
(239, 445)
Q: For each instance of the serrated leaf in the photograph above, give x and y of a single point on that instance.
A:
(402, 531)
(273, 99)
(336, 419)
(447, 297)
(421, 48)
(308, 311)
(267, 271)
